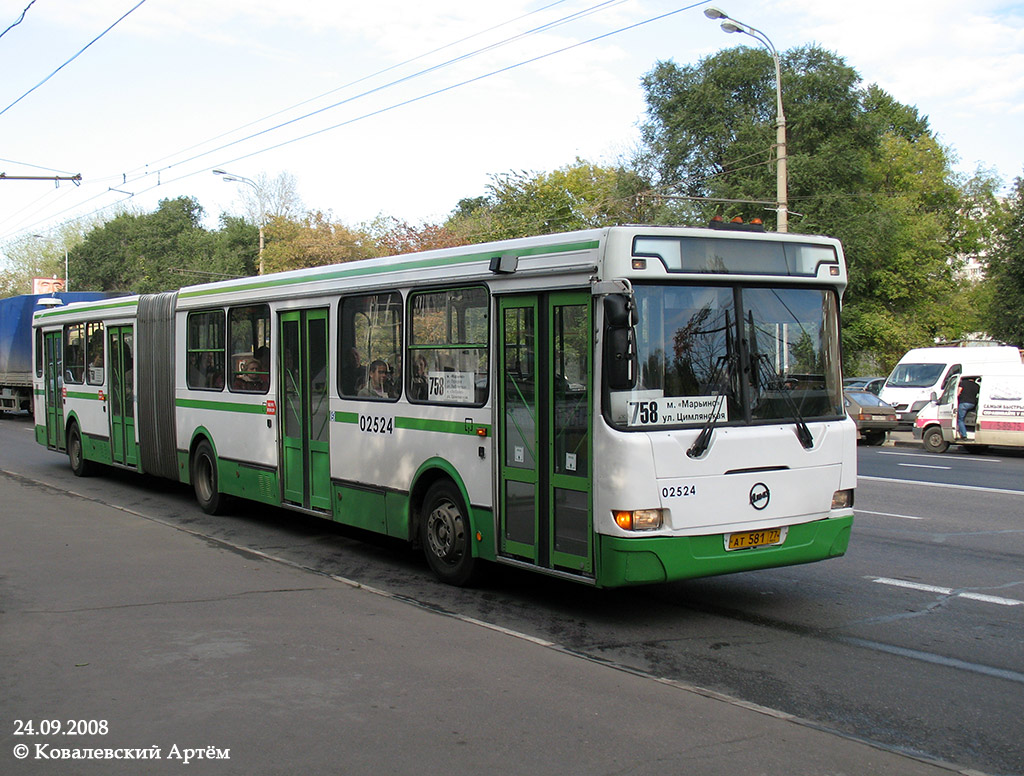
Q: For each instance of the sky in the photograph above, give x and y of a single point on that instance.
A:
(404, 107)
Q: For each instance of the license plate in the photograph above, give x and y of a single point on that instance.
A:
(748, 539)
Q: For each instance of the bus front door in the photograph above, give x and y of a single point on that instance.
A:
(121, 347)
(546, 400)
(305, 381)
(53, 358)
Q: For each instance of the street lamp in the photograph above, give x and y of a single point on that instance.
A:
(232, 178)
(731, 25)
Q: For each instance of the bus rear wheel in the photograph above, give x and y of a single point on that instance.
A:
(445, 533)
(204, 480)
(80, 466)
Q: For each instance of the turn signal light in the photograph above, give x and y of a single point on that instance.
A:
(842, 499)
(639, 519)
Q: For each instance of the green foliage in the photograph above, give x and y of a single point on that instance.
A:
(862, 167)
(1005, 308)
(578, 196)
(161, 251)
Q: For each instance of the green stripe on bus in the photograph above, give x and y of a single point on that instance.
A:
(226, 406)
(82, 395)
(381, 270)
(422, 424)
(63, 310)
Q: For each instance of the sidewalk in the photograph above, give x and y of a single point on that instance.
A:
(179, 643)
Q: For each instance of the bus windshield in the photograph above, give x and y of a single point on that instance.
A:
(732, 354)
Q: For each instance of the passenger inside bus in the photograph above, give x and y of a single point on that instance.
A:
(249, 377)
(205, 373)
(377, 384)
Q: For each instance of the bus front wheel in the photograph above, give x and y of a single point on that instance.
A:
(204, 479)
(445, 533)
(932, 440)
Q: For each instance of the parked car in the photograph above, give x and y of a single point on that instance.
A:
(869, 384)
(874, 418)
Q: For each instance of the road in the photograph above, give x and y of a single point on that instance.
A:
(914, 640)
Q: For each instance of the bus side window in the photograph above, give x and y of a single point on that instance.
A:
(370, 345)
(448, 346)
(205, 345)
(249, 338)
(94, 352)
(74, 353)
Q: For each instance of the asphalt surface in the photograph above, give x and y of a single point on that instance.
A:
(149, 641)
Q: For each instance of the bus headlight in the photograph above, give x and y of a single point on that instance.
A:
(639, 519)
(842, 499)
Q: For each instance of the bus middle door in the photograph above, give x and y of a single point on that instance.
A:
(120, 346)
(305, 422)
(544, 426)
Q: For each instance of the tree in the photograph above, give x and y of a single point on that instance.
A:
(394, 236)
(1005, 313)
(158, 251)
(581, 195)
(313, 241)
(862, 167)
(269, 198)
(42, 255)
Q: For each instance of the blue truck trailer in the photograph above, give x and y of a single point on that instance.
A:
(16, 343)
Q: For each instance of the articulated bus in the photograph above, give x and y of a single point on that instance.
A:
(616, 406)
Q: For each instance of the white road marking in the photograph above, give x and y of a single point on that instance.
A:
(887, 514)
(941, 485)
(924, 466)
(932, 456)
(989, 599)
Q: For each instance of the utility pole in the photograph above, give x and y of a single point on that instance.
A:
(731, 25)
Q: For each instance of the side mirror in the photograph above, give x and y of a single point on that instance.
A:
(620, 311)
(934, 398)
(620, 358)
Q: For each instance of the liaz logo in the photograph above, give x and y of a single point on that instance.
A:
(760, 496)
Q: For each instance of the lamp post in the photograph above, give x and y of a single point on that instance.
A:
(731, 25)
(232, 178)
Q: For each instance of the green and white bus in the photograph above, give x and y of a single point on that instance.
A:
(616, 406)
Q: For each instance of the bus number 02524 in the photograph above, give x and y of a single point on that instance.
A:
(376, 424)
(678, 491)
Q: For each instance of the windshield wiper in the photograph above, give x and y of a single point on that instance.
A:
(700, 444)
(771, 379)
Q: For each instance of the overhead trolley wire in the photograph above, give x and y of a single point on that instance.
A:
(124, 177)
(411, 100)
(20, 19)
(68, 62)
(412, 76)
(388, 108)
(360, 80)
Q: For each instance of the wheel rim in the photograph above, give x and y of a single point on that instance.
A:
(933, 440)
(204, 478)
(75, 451)
(446, 532)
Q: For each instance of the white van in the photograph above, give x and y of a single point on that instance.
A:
(924, 371)
(997, 420)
